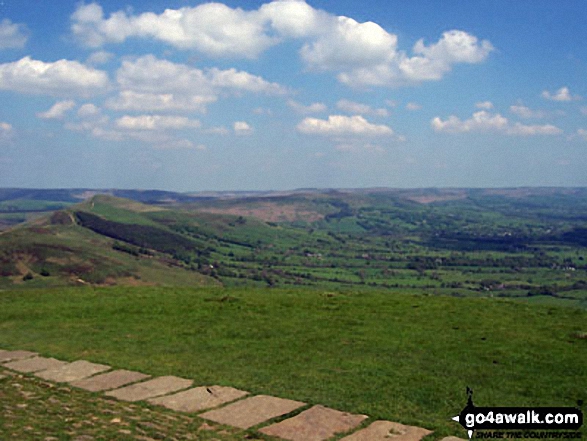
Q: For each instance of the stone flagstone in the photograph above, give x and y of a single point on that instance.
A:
(315, 424)
(110, 380)
(252, 411)
(151, 388)
(388, 431)
(199, 398)
(15, 355)
(36, 364)
(74, 371)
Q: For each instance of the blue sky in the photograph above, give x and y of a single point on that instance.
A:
(188, 96)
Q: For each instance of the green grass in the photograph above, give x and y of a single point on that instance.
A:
(407, 358)
(33, 409)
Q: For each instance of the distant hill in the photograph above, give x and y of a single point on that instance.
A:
(523, 243)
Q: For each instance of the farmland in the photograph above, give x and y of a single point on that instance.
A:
(382, 302)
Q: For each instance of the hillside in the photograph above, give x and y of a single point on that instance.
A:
(525, 244)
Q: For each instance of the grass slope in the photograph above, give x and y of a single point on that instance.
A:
(400, 357)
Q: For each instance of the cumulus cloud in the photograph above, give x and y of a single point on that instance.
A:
(59, 78)
(212, 28)
(12, 35)
(58, 110)
(526, 112)
(432, 62)
(562, 94)
(242, 128)
(156, 122)
(484, 121)
(311, 108)
(240, 80)
(358, 108)
(343, 125)
(413, 106)
(582, 133)
(151, 84)
(485, 105)
(360, 53)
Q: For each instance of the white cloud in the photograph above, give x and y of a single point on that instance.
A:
(59, 78)
(484, 121)
(212, 28)
(130, 100)
(582, 133)
(526, 112)
(343, 125)
(530, 130)
(432, 62)
(240, 80)
(584, 110)
(12, 35)
(348, 44)
(311, 108)
(361, 53)
(485, 105)
(151, 84)
(480, 121)
(58, 110)
(156, 122)
(242, 128)
(562, 94)
(413, 106)
(358, 108)
(99, 57)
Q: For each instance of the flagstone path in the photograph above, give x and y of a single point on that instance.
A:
(278, 417)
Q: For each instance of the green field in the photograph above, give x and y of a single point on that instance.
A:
(402, 357)
(382, 302)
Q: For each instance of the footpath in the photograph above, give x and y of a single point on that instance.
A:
(277, 417)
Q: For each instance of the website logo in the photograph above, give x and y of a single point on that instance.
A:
(529, 422)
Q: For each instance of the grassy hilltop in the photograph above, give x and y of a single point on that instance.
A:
(384, 302)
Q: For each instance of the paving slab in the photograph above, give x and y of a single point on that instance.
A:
(151, 388)
(252, 411)
(388, 431)
(35, 364)
(199, 398)
(110, 380)
(6, 356)
(315, 424)
(73, 371)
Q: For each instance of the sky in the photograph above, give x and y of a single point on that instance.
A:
(185, 95)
